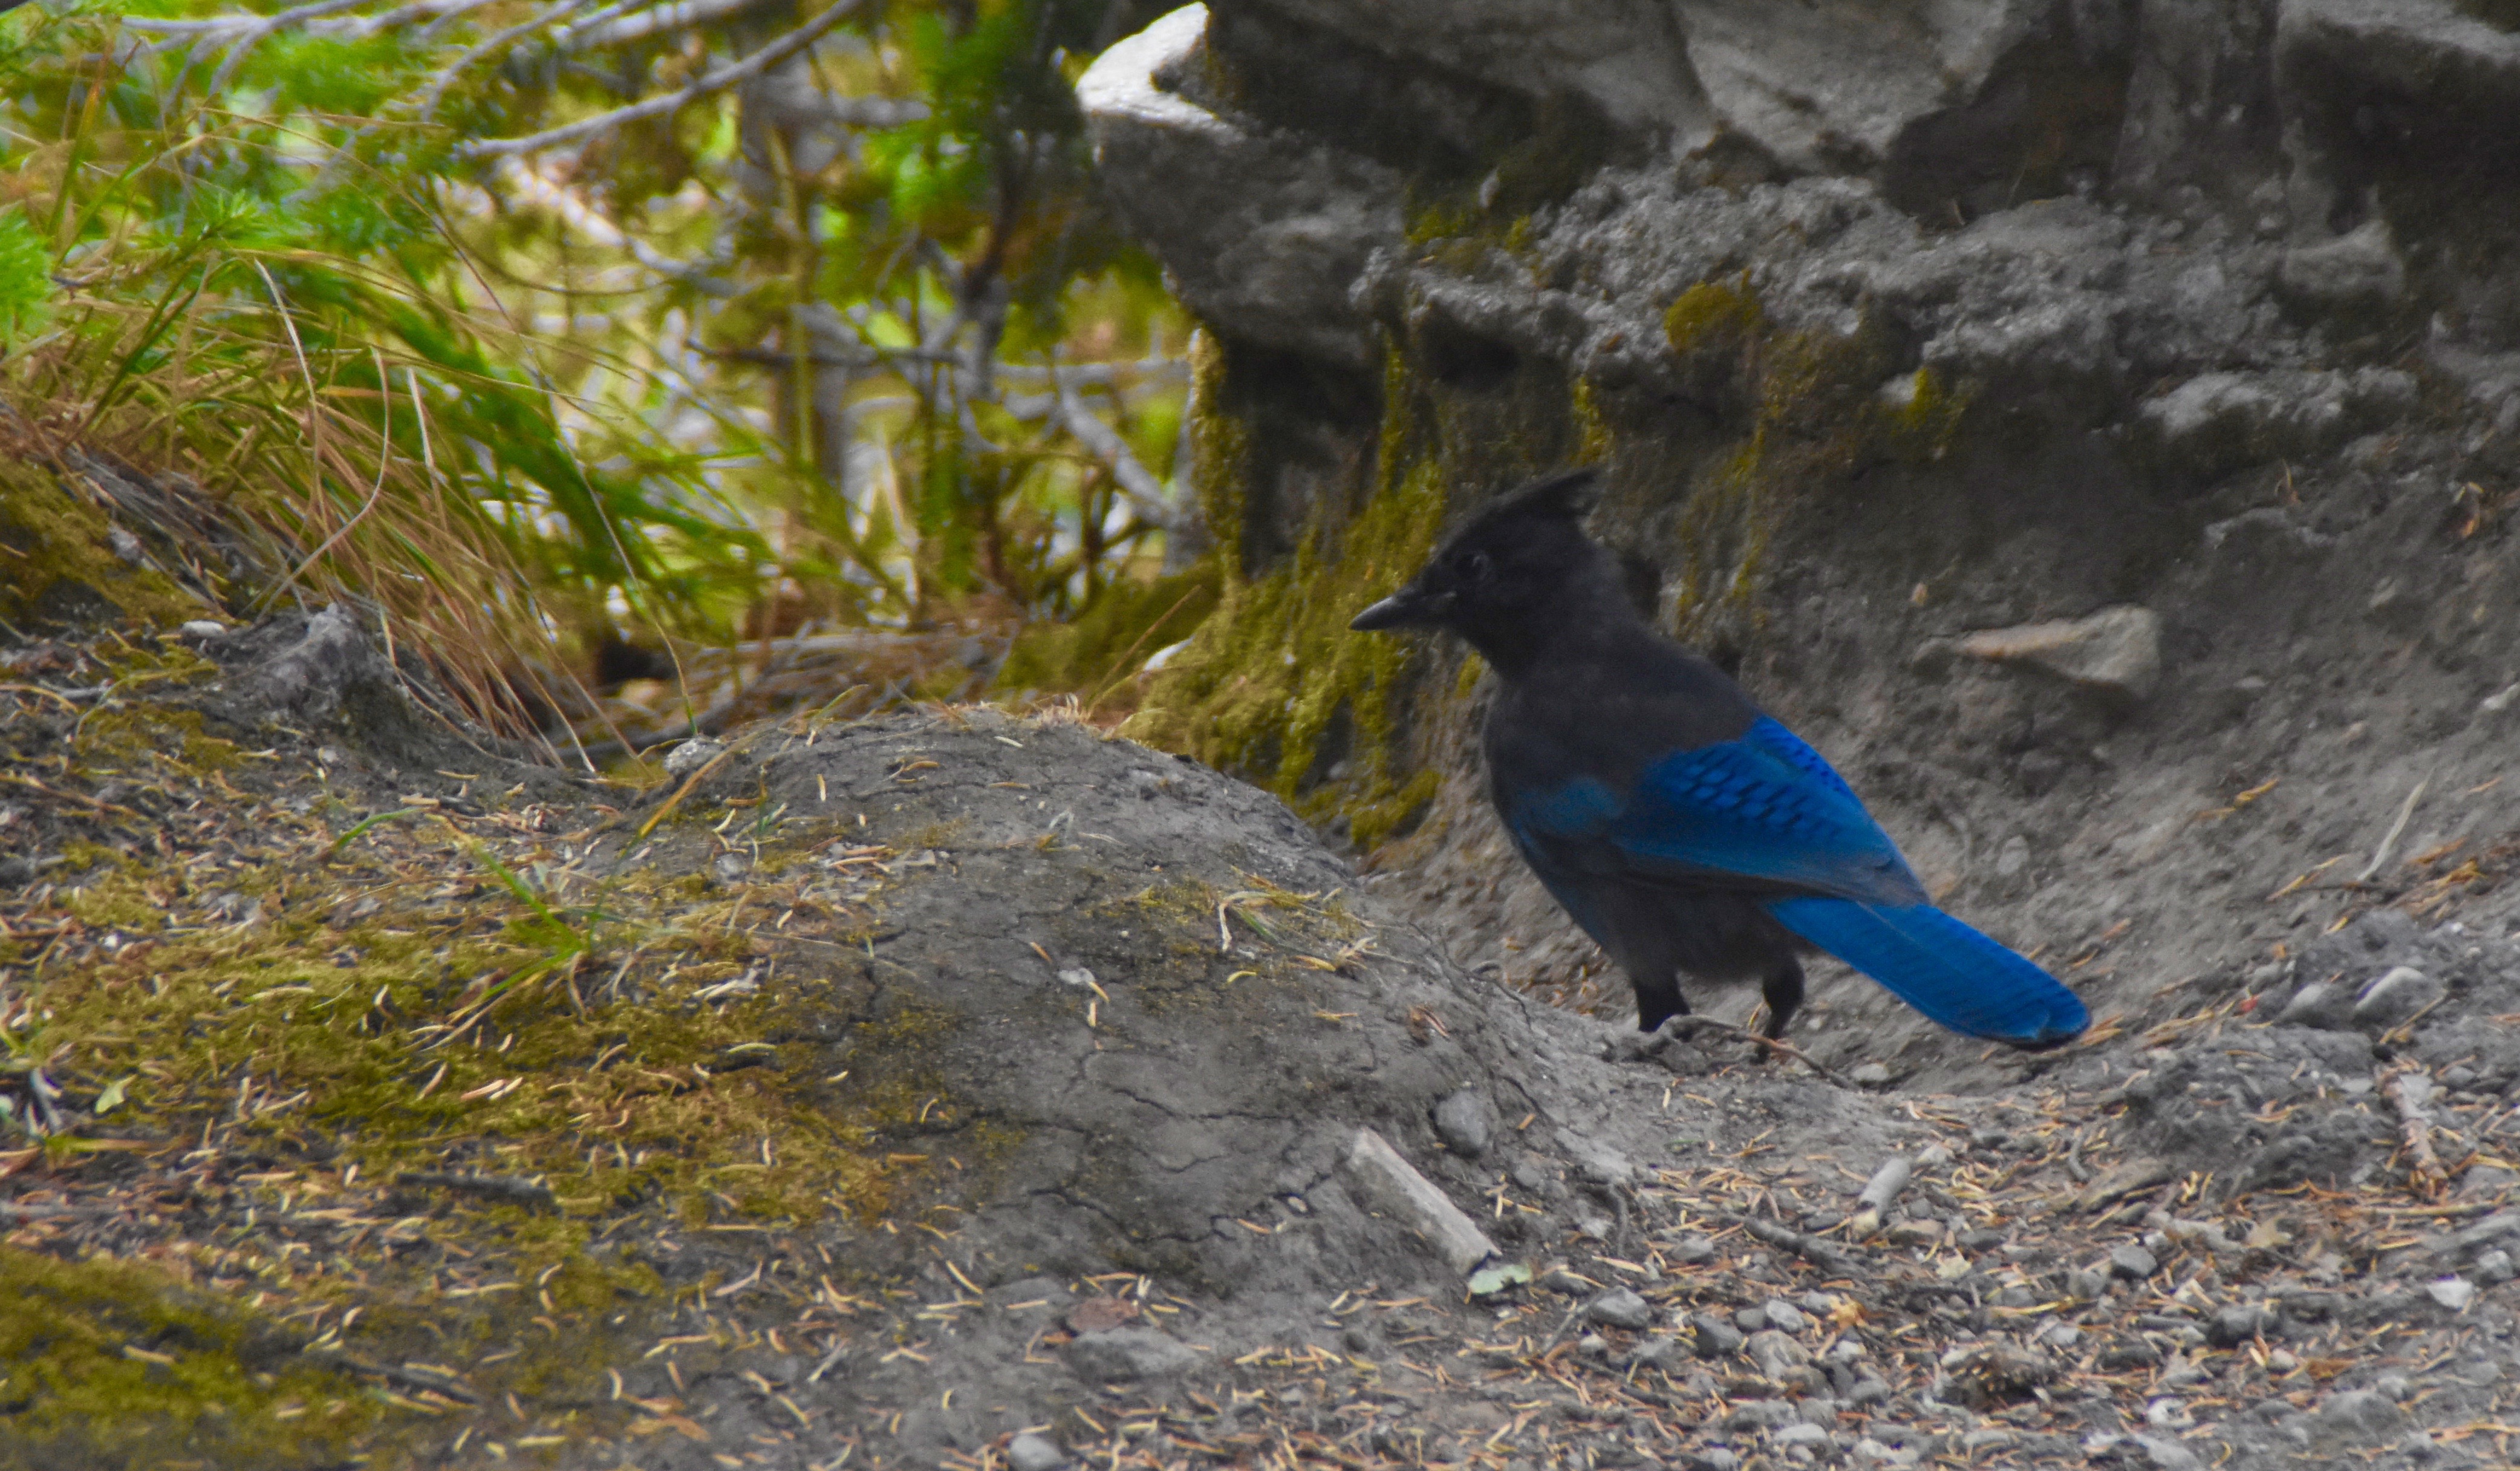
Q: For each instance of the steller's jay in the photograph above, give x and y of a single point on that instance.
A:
(1682, 827)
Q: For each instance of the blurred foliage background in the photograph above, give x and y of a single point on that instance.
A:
(579, 341)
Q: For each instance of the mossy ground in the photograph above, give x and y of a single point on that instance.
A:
(273, 1010)
(59, 567)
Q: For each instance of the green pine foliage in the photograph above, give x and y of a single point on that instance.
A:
(521, 322)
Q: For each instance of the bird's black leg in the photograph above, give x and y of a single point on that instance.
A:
(1783, 991)
(1657, 1004)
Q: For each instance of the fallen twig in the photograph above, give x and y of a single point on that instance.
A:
(1709, 1023)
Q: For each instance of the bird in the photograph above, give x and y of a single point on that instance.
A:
(1682, 827)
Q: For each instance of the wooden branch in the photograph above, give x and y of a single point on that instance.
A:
(727, 76)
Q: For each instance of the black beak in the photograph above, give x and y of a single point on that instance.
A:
(1404, 609)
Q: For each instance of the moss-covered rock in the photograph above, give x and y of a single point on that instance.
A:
(59, 570)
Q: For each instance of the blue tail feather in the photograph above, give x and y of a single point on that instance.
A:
(1943, 968)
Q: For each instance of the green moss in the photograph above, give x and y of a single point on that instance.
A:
(1221, 450)
(1817, 414)
(116, 1363)
(1091, 655)
(1275, 669)
(1714, 317)
(58, 567)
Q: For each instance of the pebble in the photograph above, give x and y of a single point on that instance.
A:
(1716, 1338)
(2494, 1268)
(1121, 1354)
(691, 756)
(2366, 1416)
(2083, 1285)
(1871, 1075)
(1465, 1123)
(1620, 1308)
(1784, 1316)
(2282, 1362)
(1751, 1319)
(1933, 1157)
(2401, 992)
(2452, 1293)
(1800, 1433)
(2133, 1262)
(1034, 1453)
(1691, 1251)
(2236, 1324)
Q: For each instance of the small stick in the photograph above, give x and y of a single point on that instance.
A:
(2396, 830)
(1709, 1023)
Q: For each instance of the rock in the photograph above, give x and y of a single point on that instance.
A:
(2116, 651)
(1870, 1075)
(1997, 1373)
(2359, 269)
(1123, 1355)
(2397, 997)
(1776, 1353)
(2132, 1263)
(2217, 423)
(2452, 1293)
(1465, 1123)
(2168, 1454)
(1395, 1188)
(1689, 1251)
(2236, 1324)
(2361, 1416)
(2322, 1004)
(201, 630)
(2494, 1268)
(1751, 1319)
(1801, 1434)
(1784, 1316)
(1760, 1414)
(1660, 1352)
(1716, 1338)
(1261, 232)
(1035, 1452)
(2083, 1285)
(1620, 1308)
(691, 756)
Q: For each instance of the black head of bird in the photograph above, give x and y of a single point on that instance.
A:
(1517, 572)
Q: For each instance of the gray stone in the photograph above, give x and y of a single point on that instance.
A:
(2361, 268)
(2323, 1004)
(1777, 1354)
(2364, 1417)
(2217, 423)
(1716, 1338)
(1465, 1123)
(1785, 1316)
(1620, 1308)
(1395, 1188)
(1802, 1434)
(1751, 1319)
(2236, 1324)
(2115, 651)
(691, 756)
(1261, 232)
(1660, 1352)
(2452, 1293)
(2132, 1263)
(2168, 1454)
(2397, 997)
(2494, 1268)
(1035, 1452)
(1122, 1356)
(1760, 1414)
(1689, 1251)
(1870, 1075)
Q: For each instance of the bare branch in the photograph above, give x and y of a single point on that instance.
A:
(591, 33)
(672, 102)
(1145, 493)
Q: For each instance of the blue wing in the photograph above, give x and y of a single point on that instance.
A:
(1761, 810)
(1943, 968)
